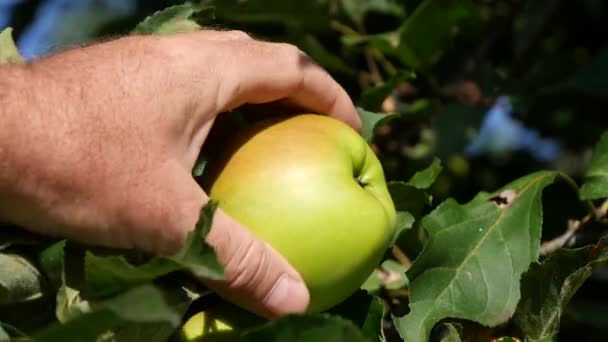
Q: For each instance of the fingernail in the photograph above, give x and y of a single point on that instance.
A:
(288, 296)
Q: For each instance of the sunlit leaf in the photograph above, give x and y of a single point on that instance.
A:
(8, 50)
(425, 178)
(20, 280)
(370, 121)
(175, 19)
(475, 255)
(139, 305)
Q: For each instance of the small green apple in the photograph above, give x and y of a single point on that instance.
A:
(311, 187)
(201, 325)
(222, 322)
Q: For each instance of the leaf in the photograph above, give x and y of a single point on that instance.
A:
(409, 203)
(370, 121)
(474, 257)
(405, 221)
(320, 54)
(417, 43)
(144, 304)
(373, 326)
(19, 279)
(425, 178)
(106, 275)
(175, 19)
(595, 183)
(357, 9)
(307, 328)
(8, 51)
(547, 288)
(373, 97)
(197, 255)
(177, 298)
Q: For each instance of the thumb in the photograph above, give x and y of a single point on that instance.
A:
(256, 276)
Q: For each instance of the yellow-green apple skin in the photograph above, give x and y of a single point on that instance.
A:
(200, 327)
(311, 187)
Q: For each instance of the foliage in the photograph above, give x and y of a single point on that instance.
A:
(477, 109)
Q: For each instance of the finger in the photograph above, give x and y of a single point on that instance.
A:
(256, 276)
(263, 72)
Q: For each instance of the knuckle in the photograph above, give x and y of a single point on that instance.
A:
(237, 35)
(249, 267)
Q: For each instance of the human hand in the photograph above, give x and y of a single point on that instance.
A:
(98, 144)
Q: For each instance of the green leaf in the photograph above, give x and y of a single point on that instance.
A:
(372, 98)
(547, 288)
(8, 51)
(177, 298)
(373, 325)
(175, 19)
(595, 183)
(474, 257)
(320, 54)
(197, 255)
(106, 275)
(370, 121)
(405, 221)
(307, 328)
(145, 304)
(20, 280)
(410, 203)
(424, 35)
(425, 178)
(357, 9)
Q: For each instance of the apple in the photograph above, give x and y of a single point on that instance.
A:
(311, 187)
(219, 322)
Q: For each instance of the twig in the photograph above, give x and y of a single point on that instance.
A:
(343, 28)
(574, 226)
(373, 67)
(401, 257)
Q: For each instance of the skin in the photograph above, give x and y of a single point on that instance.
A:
(97, 145)
(313, 189)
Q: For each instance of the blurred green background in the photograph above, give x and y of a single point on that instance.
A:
(495, 89)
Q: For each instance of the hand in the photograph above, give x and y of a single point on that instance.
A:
(98, 144)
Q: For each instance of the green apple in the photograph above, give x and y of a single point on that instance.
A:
(221, 322)
(204, 326)
(311, 187)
